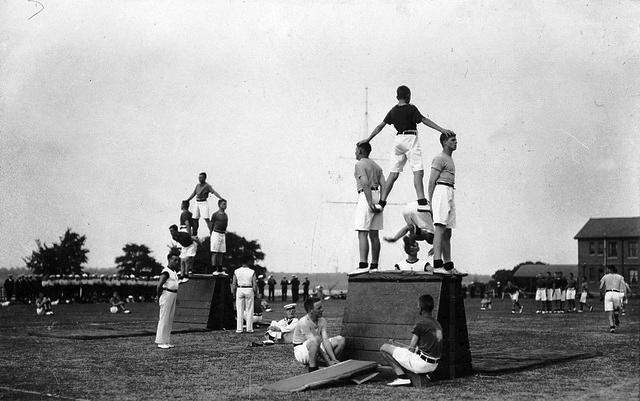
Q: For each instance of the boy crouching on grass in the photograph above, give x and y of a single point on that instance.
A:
(485, 303)
(424, 351)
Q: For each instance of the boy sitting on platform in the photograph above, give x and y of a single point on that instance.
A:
(424, 351)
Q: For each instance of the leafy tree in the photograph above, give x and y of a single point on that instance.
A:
(66, 257)
(137, 260)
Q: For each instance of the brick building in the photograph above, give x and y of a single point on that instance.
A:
(610, 241)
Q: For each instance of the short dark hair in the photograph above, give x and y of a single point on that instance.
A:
(365, 147)
(408, 242)
(184, 204)
(444, 136)
(173, 227)
(403, 92)
(221, 200)
(171, 254)
(612, 268)
(308, 304)
(426, 303)
(203, 173)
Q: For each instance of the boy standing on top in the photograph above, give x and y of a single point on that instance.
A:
(441, 188)
(201, 192)
(405, 117)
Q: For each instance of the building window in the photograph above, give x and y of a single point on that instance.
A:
(633, 249)
(592, 248)
(633, 276)
(600, 248)
(612, 252)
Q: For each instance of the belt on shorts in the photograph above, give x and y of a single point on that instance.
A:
(219, 232)
(446, 184)
(612, 291)
(427, 358)
(408, 132)
(373, 189)
(201, 200)
(166, 289)
(296, 345)
(245, 286)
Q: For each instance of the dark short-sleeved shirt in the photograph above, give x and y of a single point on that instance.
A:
(202, 191)
(183, 238)
(549, 282)
(185, 217)
(572, 283)
(511, 290)
(219, 222)
(404, 117)
(427, 329)
(557, 283)
(541, 282)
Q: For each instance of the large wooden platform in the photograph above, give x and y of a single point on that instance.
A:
(206, 301)
(331, 374)
(383, 306)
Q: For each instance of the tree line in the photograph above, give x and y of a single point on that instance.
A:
(69, 255)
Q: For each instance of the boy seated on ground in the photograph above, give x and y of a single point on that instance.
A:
(485, 303)
(43, 305)
(422, 355)
(311, 344)
(281, 331)
(117, 305)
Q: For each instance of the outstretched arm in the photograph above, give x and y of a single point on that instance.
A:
(373, 134)
(191, 196)
(213, 191)
(435, 126)
(399, 234)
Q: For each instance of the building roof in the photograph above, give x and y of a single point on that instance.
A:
(610, 227)
(531, 270)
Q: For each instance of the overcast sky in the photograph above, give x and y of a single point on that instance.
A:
(109, 110)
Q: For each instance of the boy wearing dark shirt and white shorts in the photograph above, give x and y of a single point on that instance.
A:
(405, 117)
(423, 353)
(219, 223)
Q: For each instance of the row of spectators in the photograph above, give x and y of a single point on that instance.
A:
(85, 288)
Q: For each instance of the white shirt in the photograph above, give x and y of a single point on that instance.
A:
(172, 281)
(244, 276)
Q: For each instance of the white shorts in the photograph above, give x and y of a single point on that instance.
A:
(218, 242)
(515, 296)
(583, 298)
(406, 147)
(189, 251)
(549, 294)
(557, 294)
(412, 361)
(365, 219)
(612, 301)
(422, 220)
(541, 294)
(570, 294)
(301, 352)
(201, 209)
(443, 206)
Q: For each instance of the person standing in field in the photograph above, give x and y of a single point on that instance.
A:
(167, 291)
(610, 285)
(219, 223)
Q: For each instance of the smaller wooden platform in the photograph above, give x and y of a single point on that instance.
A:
(332, 374)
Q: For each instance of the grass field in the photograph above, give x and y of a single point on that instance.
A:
(220, 365)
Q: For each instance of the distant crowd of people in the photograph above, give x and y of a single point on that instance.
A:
(286, 285)
(85, 288)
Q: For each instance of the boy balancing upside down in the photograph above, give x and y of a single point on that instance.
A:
(423, 353)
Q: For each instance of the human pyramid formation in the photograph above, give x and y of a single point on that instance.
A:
(420, 216)
(187, 234)
(311, 343)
